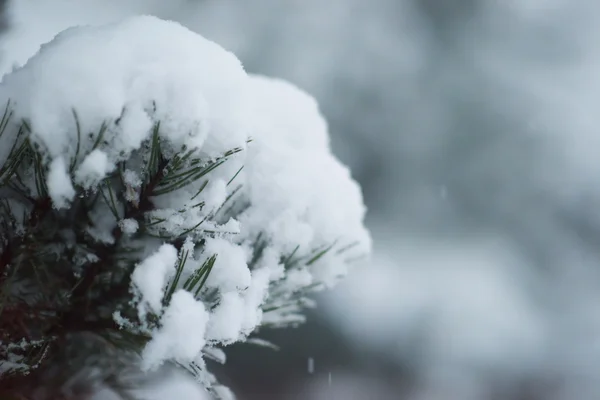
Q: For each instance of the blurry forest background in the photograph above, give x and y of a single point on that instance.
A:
(473, 128)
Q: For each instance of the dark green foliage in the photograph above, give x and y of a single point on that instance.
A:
(55, 277)
(59, 279)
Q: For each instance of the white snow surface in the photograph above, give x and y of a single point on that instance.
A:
(150, 276)
(59, 184)
(128, 76)
(181, 336)
(93, 169)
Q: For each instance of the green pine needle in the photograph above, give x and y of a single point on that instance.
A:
(320, 254)
(175, 282)
(78, 144)
(196, 281)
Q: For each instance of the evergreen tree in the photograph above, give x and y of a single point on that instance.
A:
(157, 204)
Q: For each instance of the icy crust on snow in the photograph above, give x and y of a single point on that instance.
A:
(283, 192)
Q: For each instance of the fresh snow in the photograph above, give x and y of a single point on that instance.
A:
(129, 226)
(94, 167)
(59, 183)
(150, 277)
(181, 336)
(230, 272)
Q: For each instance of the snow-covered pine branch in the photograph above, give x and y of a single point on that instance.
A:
(154, 194)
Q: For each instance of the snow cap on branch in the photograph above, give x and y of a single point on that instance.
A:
(134, 110)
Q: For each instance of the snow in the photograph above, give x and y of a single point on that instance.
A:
(132, 179)
(225, 323)
(230, 272)
(298, 278)
(150, 276)
(93, 169)
(34, 23)
(122, 68)
(59, 183)
(238, 315)
(130, 79)
(129, 226)
(254, 298)
(215, 194)
(309, 195)
(133, 184)
(181, 336)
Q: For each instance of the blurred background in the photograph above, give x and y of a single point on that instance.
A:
(472, 126)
